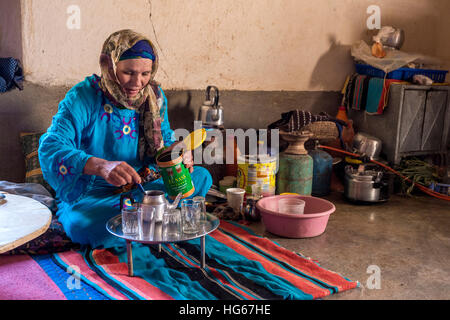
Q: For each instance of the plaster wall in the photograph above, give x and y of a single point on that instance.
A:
(297, 45)
(267, 57)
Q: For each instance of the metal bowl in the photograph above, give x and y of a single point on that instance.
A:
(367, 145)
(395, 39)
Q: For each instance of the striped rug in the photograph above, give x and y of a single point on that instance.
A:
(240, 265)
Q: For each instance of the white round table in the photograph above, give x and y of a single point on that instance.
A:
(21, 219)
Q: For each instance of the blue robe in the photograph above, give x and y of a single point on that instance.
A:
(88, 124)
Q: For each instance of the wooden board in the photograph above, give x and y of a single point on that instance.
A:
(21, 220)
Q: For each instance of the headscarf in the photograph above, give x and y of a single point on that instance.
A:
(145, 102)
(142, 49)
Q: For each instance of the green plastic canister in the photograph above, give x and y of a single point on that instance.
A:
(295, 174)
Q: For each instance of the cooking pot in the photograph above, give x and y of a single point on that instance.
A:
(365, 185)
(395, 39)
(390, 37)
(367, 145)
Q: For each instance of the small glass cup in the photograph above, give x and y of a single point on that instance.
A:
(146, 222)
(235, 198)
(171, 225)
(291, 206)
(190, 214)
(130, 220)
(203, 218)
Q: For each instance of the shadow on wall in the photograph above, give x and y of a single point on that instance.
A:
(421, 36)
(10, 29)
(333, 66)
(181, 110)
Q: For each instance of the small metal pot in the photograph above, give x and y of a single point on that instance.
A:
(395, 39)
(367, 145)
(156, 200)
(362, 186)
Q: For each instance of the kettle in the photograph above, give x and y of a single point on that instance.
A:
(211, 112)
(154, 199)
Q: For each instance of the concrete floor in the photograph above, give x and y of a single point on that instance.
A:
(408, 239)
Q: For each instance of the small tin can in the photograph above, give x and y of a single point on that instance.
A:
(176, 176)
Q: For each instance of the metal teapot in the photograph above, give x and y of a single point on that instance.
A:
(211, 113)
(156, 200)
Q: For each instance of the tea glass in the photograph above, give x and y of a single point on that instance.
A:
(130, 220)
(146, 221)
(190, 216)
(171, 225)
(203, 219)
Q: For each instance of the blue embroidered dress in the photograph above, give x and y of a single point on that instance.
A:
(88, 124)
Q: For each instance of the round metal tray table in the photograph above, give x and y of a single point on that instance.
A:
(114, 226)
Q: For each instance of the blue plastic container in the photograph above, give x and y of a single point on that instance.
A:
(405, 74)
(322, 168)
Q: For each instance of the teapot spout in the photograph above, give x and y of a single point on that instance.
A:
(174, 205)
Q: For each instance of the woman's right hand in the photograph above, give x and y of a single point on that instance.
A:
(117, 173)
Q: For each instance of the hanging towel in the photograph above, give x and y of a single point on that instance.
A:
(11, 74)
(374, 94)
(378, 93)
(360, 92)
(349, 90)
(385, 94)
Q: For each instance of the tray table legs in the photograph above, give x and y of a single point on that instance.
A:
(130, 255)
(130, 259)
(202, 251)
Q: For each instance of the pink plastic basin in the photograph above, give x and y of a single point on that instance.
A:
(310, 224)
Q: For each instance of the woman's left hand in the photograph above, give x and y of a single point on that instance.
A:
(188, 159)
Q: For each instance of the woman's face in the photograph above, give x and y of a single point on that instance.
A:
(133, 75)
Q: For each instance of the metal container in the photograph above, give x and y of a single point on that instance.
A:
(367, 145)
(295, 173)
(176, 176)
(211, 113)
(363, 185)
(395, 39)
(250, 210)
(256, 170)
(154, 199)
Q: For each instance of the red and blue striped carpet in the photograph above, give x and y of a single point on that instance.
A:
(240, 265)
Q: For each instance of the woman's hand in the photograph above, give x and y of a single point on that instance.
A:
(188, 159)
(117, 173)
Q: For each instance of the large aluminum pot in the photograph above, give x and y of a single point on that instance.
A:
(362, 186)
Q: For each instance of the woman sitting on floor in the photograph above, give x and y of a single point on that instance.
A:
(107, 129)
